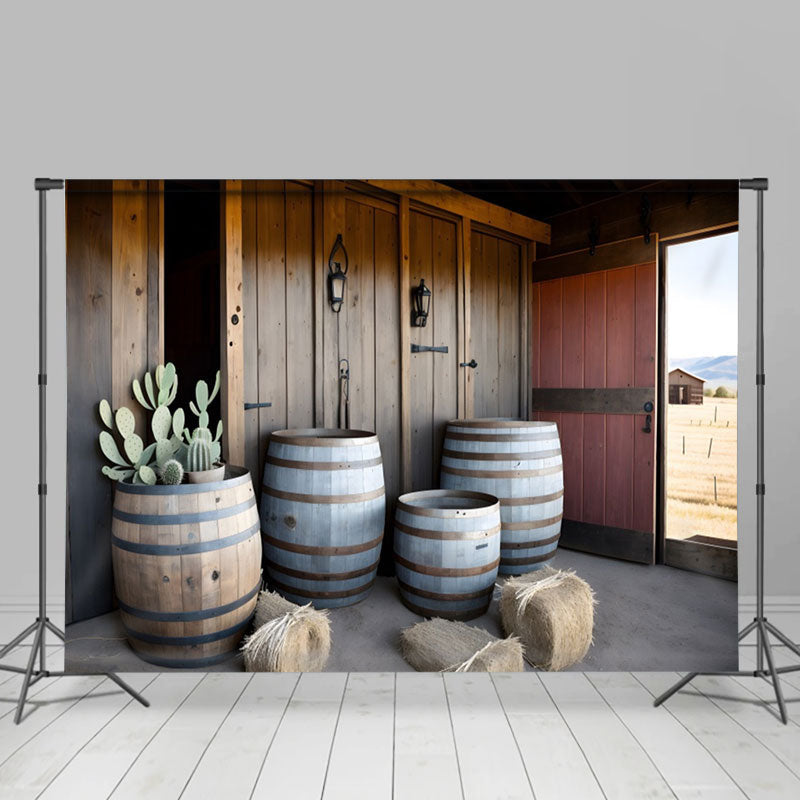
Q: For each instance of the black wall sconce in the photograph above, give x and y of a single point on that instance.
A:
(421, 295)
(337, 276)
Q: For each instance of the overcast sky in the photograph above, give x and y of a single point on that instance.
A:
(702, 297)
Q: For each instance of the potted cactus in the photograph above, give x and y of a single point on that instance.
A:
(202, 451)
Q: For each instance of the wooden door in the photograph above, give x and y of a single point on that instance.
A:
(433, 376)
(497, 338)
(594, 370)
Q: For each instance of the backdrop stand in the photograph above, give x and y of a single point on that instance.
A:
(760, 624)
(39, 628)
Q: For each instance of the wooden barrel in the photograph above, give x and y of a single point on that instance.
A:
(323, 509)
(187, 567)
(519, 462)
(446, 552)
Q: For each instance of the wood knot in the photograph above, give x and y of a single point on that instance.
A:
(290, 522)
(214, 575)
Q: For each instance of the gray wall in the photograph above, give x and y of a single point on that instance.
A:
(619, 89)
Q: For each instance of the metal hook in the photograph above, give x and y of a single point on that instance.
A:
(337, 245)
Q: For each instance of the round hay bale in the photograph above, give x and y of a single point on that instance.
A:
(552, 612)
(288, 637)
(441, 645)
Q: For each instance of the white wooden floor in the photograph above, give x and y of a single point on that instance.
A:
(408, 736)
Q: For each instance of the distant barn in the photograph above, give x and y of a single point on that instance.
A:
(685, 388)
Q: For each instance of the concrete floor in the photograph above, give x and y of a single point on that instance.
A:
(646, 618)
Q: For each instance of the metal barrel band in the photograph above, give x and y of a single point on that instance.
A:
(183, 519)
(324, 499)
(324, 466)
(446, 572)
(438, 612)
(526, 456)
(530, 501)
(187, 641)
(325, 576)
(532, 525)
(239, 477)
(488, 474)
(314, 550)
(444, 596)
(186, 663)
(506, 545)
(189, 616)
(187, 549)
(458, 536)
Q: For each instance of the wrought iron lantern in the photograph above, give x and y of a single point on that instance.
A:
(336, 275)
(421, 296)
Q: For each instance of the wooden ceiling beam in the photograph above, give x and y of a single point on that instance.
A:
(444, 198)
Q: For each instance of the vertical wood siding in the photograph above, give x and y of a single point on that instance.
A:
(599, 331)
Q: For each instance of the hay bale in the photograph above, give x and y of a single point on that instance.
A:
(441, 645)
(288, 637)
(552, 612)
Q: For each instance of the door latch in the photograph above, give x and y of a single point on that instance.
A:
(648, 424)
(473, 363)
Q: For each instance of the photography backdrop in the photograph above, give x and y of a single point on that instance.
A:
(233, 276)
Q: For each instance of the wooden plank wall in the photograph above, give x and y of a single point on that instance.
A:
(599, 331)
(114, 273)
(496, 284)
(433, 376)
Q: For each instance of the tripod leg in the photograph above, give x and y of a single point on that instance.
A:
(776, 679)
(26, 681)
(131, 691)
(676, 688)
(16, 640)
(56, 630)
(783, 638)
(747, 630)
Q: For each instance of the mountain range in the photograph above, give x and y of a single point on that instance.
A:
(715, 370)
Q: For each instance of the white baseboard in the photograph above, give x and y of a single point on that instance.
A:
(782, 611)
(17, 612)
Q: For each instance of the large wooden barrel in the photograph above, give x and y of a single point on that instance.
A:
(519, 462)
(446, 552)
(187, 567)
(323, 508)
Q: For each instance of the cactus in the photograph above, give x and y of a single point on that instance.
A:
(202, 448)
(198, 457)
(136, 467)
(172, 473)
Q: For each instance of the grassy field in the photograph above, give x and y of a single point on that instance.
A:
(691, 506)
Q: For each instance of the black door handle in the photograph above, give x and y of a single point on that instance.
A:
(473, 363)
(648, 422)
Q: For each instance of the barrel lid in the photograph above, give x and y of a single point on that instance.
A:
(448, 503)
(324, 437)
(234, 476)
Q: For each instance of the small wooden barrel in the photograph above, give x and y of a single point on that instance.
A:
(446, 552)
(323, 509)
(187, 567)
(518, 462)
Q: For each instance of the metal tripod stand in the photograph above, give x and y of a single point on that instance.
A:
(760, 623)
(42, 625)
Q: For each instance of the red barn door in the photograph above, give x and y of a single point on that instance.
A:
(594, 367)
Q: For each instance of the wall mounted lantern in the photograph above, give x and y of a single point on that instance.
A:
(421, 296)
(337, 276)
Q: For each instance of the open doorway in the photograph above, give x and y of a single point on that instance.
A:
(698, 436)
(192, 285)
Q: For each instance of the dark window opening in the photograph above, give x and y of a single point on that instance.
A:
(191, 288)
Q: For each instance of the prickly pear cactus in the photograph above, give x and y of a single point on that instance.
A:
(172, 473)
